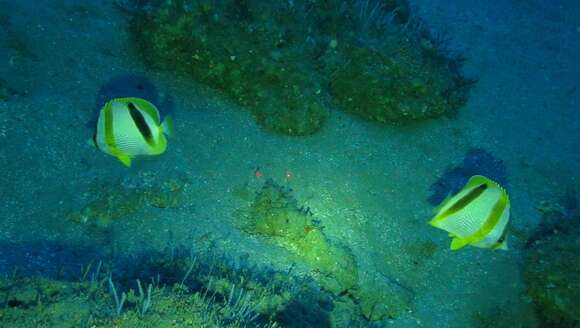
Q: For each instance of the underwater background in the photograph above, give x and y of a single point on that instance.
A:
(314, 140)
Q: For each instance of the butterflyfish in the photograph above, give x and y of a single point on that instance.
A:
(130, 127)
(477, 215)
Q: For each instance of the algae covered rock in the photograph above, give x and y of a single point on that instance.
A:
(39, 302)
(393, 69)
(275, 214)
(552, 274)
(383, 297)
(285, 61)
(253, 51)
(382, 88)
(113, 201)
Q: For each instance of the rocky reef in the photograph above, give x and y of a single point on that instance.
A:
(552, 269)
(288, 62)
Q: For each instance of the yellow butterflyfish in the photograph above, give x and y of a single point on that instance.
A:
(130, 127)
(477, 215)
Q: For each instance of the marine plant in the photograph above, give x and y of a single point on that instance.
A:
(286, 61)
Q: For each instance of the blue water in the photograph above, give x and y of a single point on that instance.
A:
(66, 207)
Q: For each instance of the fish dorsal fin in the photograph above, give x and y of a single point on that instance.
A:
(477, 180)
(144, 106)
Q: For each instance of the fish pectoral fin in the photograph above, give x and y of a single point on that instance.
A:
(458, 243)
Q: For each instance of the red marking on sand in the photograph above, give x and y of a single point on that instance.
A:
(258, 174)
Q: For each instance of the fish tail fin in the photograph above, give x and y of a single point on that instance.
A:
(168, 127)
(458, 243)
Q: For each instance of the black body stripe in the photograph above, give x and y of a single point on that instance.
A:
(141, 124)
(465, 200)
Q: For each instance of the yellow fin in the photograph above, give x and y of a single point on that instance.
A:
(122, 157)
(457, 243)
(125, 159)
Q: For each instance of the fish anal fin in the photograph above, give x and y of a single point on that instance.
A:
(123, 158)
(457, 243)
